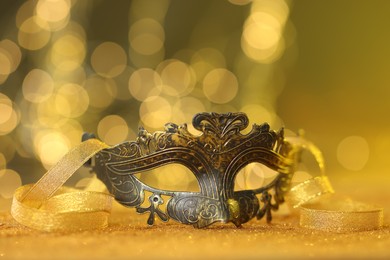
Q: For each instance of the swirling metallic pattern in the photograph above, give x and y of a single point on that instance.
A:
(215, 157)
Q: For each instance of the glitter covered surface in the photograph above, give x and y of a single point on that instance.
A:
(128, 236)
(89, 68)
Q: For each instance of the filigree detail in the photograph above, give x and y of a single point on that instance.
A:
(155, 201)
(267, 207)
(215, 157)
(195, 209)
(220, 126)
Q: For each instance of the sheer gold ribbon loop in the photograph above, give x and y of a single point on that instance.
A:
(300, 143)
(47, 206)
(332, 213)
(341, 215)
(309, 190)
(329, 213)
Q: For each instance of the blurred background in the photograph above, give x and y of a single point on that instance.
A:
(107, 67)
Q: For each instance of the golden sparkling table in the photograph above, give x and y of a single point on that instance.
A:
(128, 236)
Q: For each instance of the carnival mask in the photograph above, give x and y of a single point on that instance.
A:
(215, 157)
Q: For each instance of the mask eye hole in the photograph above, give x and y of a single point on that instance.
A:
(171, 177)
(253, 176)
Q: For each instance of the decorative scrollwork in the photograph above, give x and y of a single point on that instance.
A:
(267, 206)
(155, 201)
(195, 209)
(215, 157)
(221, 126)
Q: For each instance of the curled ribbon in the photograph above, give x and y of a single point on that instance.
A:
(340, 215)
(320, 209)
(48, 206)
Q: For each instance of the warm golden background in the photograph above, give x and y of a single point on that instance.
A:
(107, 67)
(74, 66)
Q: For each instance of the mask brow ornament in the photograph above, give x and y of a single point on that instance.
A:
(215, 157)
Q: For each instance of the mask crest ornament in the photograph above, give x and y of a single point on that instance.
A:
(215, 157)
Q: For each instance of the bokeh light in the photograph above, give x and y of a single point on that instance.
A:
(101, 91)
(205, 60)
(185, 108)
(53, 10)
(144, 83)
(353, 153)
(9, 116)
(7, 147)
(25, 11)
(67, 76)
(5, 108)
(72, 129)
(3, 163)
(122, 81)
(34, 34)
(107, 67)
(10, 56)
(259, 114)
(113, 129)
(146, 36)
(38, 86)
(10, 124)
(50, 146)
(77, 75)
(68, 52)
(9, 182)
(155, 111)
(262, 30)
(71, 100)
(177, 77)
(109, 59)
(45, 113)
(254, 176)
(262, 38)
(220, 86)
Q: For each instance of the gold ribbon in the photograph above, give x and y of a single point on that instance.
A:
(331, 212)
(47, 206)
(340, 215)
(309, 190)
(320, 209)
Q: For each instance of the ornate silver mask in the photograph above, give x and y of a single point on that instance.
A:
(215, 157)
